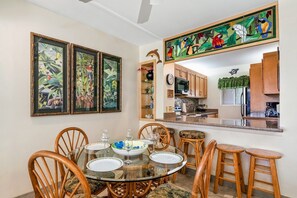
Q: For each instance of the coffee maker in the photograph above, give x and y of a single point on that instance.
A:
(271, 110)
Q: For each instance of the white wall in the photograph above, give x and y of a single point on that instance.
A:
(22, 135)
(286, 143)
(213, 100)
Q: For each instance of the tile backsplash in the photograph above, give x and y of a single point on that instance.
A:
(191, 104)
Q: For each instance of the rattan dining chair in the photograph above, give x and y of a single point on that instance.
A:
(70, 139)
(151, 128)
(49, 179)
(67, 141)
(201, 180)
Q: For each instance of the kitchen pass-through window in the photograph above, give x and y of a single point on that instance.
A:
(231, 97)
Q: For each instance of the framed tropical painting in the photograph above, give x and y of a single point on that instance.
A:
(84, 86)
(110, 83)
(49, 76)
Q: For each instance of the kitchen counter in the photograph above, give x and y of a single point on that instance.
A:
(251, 124)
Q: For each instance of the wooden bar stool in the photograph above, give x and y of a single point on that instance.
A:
(266, 155)
(235, 162)
(172, 132)
(196, 140)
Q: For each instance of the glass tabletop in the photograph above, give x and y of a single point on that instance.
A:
(106, 165)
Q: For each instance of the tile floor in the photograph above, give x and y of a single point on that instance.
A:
(186, 182)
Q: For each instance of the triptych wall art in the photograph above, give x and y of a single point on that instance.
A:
(252, 28)
(68, 78)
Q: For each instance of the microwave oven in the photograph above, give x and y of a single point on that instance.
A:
(181, 86)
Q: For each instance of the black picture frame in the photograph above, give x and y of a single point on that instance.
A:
(49, 76)
(84, 80)
(110, 83)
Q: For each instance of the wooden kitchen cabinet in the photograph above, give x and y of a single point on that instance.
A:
(197, 81)
(270, 73)
(257, 97)
(181, 72)
(192, 83)
(146, 91)
(201, 86)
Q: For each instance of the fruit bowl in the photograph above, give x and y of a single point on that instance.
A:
(138, 148)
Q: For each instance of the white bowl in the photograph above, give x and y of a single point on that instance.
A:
(135, 151)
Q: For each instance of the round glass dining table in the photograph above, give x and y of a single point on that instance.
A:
(128, 180)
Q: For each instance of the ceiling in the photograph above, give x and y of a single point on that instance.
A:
(170, 17)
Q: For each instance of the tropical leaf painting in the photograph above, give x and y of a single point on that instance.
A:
(85, 80)
(254, 27)
(49, 76)
(111, 79)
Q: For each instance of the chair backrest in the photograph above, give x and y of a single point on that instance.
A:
(70, 139)
(45, 173)
(146, 130)
(202, 177)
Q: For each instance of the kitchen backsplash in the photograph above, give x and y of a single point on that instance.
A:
(191, 104)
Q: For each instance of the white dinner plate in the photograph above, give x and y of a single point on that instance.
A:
(97, 146)
(166, 158)
(105, 164)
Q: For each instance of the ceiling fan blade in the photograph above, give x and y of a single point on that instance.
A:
(85, 1)
(144, 12)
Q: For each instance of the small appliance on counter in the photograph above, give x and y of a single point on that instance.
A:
(271, 110)
(177, 111)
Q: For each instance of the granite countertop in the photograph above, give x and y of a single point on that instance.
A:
(251, 124)
(206, 112)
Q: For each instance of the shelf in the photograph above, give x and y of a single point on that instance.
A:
(147, 91)
(148, 82)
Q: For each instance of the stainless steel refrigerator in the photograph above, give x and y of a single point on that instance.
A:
(245, 102)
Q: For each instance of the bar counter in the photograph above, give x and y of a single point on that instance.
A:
(268, 125)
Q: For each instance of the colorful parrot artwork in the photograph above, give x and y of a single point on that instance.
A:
(170, 51)
(217, 41)
(264, 26)
(240, 31)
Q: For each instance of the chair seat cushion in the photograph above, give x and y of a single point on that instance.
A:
(96, 186)
(171, 131)
(168, 190)
(192, 134)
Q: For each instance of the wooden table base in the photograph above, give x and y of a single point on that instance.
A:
(129, 189)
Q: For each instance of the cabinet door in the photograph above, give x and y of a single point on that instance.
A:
(180, 72)
(270, 73)
(191, 78)
(202, 87)
(197, 86)
(183, 73)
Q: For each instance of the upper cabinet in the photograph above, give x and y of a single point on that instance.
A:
(270, 73)
(181, 72)
(192, 83)
(197, 81)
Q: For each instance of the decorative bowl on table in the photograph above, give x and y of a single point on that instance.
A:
(138, 148)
